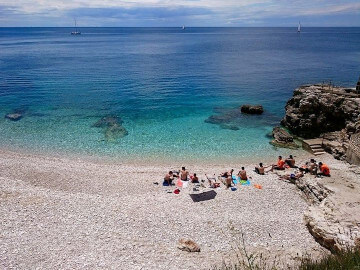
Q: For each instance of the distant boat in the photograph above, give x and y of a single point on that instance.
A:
(183, 27)
(299, 28)
(76, 32)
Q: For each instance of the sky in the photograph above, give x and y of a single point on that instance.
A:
(231, 13)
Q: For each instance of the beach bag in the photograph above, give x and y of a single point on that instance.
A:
(177, 191)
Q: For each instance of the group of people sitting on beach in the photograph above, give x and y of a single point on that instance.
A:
(317, 169)
(183, 175)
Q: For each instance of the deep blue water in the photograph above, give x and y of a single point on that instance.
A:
(163, 82)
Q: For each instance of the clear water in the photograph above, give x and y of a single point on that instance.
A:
(163, 82)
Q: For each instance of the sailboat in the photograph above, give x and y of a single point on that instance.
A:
(183, 27)
(299, 28)
(76, 32)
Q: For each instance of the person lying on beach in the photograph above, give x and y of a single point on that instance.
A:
(313, 167)
(242, 174)
(194, 179)
(305, 168)
(279, 166)
(292, 176)
(212, 181)
(169, 177)
(290, 161)
(260, 169)
(324, 169)
(227, 174)
(184, 174)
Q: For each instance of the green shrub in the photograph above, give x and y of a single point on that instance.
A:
(346, 260)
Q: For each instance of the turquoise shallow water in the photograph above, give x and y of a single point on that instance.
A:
(163, 82)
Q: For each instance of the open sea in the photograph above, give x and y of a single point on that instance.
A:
(163, 83)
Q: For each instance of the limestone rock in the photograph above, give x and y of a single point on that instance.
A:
(252, 109)
(188, 245)
(315, 109)
(14, 116)
(282, 138)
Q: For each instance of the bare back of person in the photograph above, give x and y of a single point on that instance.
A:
(243, 175)
(184, 175)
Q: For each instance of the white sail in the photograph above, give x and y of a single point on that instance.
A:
(76, 32)
(299, 27)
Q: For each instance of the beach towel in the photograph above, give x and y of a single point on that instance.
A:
(179, 183)
(245, 182)
(204, 196)
(235, 179)
(185, 184)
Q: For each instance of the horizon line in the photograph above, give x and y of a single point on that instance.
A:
(292, 26)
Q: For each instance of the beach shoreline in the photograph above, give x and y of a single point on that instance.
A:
(162, 160)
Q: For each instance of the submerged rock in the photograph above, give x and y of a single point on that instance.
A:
(108, 121)
(14, 116)
(252, 109)
(224, 118)
(112, 126)
(115, 132)
(188, 245)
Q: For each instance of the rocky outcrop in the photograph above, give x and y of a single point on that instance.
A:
(317, 109)
(14, 116)
(112, 127)
(333, 217)
(282, 138)
(252, 109)
(188, 245)
(328, 112)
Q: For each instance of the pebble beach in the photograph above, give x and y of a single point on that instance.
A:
(67, 213)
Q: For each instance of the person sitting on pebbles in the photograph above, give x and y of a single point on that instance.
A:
(184, 174)
(194, 179)
(279, 166)
(260, 169)
(313, 167)
(228, 181)
(169, 177)
(242, 174)
(290, 161)
(324, 169)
